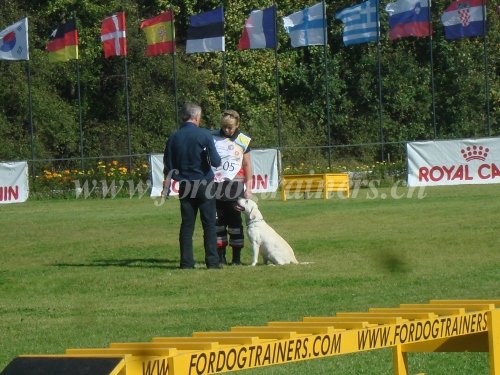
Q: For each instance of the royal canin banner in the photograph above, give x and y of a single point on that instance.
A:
(264, 165)
(457, 162)
(14, 186)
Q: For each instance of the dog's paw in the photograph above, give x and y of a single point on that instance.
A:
(253, 264)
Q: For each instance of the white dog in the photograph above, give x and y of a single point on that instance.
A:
(262, 237)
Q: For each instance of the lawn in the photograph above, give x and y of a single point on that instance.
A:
(82, 273)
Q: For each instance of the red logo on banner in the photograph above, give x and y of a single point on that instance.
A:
(475, 153)
(462, 172)
(9, 193)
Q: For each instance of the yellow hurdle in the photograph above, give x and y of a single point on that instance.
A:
(437, 326)
(315, 183)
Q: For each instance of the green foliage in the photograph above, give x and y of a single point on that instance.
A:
(100, 180)
(350, 114)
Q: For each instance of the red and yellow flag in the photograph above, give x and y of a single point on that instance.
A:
(160, 34)
(63, 43)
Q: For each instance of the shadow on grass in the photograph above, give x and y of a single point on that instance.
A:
(131, 263)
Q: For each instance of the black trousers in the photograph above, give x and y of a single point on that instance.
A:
(229, 222)
(197, 196)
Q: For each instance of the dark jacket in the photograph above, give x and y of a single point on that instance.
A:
(189, 153)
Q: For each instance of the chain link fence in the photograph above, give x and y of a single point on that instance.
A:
(130, 175)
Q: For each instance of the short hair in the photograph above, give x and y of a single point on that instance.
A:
(190, 111)
(228, 116)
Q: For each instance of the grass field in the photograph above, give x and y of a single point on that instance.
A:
(88, 272)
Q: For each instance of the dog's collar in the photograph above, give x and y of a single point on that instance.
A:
(252, 222)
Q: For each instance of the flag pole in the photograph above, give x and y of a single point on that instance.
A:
(174, 70)
(30, 110)
(277, 86)
(176, 97)
(379, 73)
(486, 83)
(128, 115)
(80, 122)
(327, 88)
(276, 75)
(224, 75)
(432, 72)
(79, 112)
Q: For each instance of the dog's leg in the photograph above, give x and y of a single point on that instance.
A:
(255, 248)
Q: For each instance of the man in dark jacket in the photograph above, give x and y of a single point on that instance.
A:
(189, 154)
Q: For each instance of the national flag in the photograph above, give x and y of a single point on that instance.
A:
(307, 27)
(361, 23)
(14, 41)
(464, 18)
(260, 30)
(63, 43)
(160, 34)
(206, 32)
(113, 35)
(409, 18)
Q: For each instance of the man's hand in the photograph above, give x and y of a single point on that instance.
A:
(165, 191)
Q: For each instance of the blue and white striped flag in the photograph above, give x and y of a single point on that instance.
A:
(307, 27)
(360, 23)
(206, 32)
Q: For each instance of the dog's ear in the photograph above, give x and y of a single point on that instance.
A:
(255, 213)
(251, 214)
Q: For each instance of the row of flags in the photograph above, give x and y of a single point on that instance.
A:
(463, 18)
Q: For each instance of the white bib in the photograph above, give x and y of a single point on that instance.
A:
(231, 153)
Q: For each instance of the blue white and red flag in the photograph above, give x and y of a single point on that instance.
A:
(260, 30)
(464, 18)
(409, 18)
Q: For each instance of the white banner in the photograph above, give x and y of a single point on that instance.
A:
(264, 180)
(457, 162)
(14, 183)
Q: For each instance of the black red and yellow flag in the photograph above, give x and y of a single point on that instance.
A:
(63, 43)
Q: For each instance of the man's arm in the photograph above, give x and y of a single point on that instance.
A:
(167, 166)
(167, 161)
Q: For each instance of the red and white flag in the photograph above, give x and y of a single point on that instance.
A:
(113, 35)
